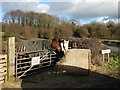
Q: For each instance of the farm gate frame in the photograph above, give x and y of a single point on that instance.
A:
(32, 55)
(23, 59)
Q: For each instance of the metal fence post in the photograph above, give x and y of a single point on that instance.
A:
(11, 59)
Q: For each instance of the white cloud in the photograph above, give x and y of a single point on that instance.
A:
(42, 8)
(106, 19)
(60, 0)
(25, 6)
(21, 0)
(85, 9)
(76, 9)
(103, 19)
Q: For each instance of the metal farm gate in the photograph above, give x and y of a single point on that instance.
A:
(33, 55)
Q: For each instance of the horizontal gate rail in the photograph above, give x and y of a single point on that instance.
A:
(31, 52)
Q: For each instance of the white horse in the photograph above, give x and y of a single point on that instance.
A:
(64, 45)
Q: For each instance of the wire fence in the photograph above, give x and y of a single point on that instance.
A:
(32, 45)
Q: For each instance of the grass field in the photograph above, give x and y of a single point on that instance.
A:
(109, 40)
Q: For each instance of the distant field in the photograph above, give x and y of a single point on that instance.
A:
(110, 40)
(35, 38)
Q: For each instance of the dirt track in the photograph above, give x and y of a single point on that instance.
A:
(52, 79)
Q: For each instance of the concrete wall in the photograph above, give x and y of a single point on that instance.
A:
(79, 58)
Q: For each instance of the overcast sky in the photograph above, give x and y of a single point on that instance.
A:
(84, 11)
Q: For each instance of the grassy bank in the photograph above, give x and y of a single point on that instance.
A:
(111, 68)
(115, 62)
(110, 40)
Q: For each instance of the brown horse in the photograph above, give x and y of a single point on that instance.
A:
(55, 45)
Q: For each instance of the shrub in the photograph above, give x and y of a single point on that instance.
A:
(89, 43)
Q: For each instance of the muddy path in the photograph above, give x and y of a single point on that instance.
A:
(69, 77)
(56, 78)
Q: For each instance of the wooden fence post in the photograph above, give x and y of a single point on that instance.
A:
(11, 59)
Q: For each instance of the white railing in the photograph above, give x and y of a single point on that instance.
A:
(3, 68)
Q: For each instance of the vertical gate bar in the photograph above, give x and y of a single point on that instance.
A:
(103, 57)
(16, 65)
(50, 59)
(108, 57)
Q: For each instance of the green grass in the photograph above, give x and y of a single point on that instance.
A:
(4, 42)
(115, 63)
(31, 38)
(110, 40)
(111, 68)
(2, 33)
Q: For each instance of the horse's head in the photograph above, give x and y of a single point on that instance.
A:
(55, 45)
(66, 43)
